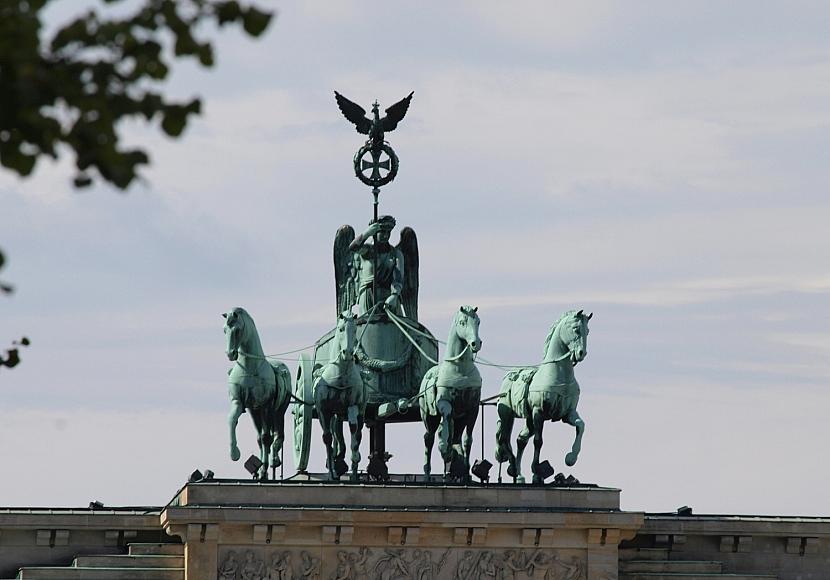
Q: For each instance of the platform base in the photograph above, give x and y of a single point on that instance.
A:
(313, 529)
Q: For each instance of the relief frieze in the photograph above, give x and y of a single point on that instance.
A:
(365, 563)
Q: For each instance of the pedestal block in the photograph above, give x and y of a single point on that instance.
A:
(323, 530)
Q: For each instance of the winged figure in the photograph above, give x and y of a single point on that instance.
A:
(373, 127)
(365, 272)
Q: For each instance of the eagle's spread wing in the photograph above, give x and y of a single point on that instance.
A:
(395, 113)
(355, 113)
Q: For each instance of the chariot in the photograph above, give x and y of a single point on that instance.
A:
(393, 350)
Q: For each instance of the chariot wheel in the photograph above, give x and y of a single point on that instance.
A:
(303, 413)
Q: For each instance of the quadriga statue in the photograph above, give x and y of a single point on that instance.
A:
(548, 392)
(257, 385)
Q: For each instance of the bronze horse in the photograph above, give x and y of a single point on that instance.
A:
(339, 394)
(450, 394)
(258, 385)
(548, 392)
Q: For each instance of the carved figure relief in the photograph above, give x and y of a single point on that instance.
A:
(253, 568)
(310, 566)
(400, 563)
(228, 569)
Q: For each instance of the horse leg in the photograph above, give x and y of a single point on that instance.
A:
(340, 466)
(574, 419)
(446, 436)
(472, 415)
(325, 424)
(431, 423)
(279, 438)
(233, 419)
(258, 418)
(504, 429)
(538, 425)
(267, 441)
(521, 443)
(356, 427)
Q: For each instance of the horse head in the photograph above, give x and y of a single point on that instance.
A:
(466, 325)
(573, 332)
(344, 337)
(235, 329)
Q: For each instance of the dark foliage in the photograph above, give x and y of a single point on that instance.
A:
(72, 90)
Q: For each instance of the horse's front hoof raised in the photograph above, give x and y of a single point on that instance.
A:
(235, 454)
(512, 471)
(570, 459)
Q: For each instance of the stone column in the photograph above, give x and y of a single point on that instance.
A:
(201, 554)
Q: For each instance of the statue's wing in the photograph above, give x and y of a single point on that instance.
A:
(343, 278)
(408, 246)
(354, 113)
(396, 112)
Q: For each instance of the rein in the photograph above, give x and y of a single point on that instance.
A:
(399, 323)
(479, 360)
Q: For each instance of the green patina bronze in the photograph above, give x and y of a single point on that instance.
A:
(381, 365)
(257, 385)
(339, 393)
(370, 273)
(382, 162)
(450, 396)
(548, 392)
(376, 156)
(381, 279)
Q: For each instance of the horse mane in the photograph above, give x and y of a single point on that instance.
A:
(251, 332)
(549, 337)
(465, 309)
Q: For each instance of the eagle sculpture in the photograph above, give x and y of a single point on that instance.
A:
(376, 127)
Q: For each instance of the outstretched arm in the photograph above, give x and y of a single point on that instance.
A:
(362, 238)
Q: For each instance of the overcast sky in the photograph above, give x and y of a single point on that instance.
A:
(662, 164)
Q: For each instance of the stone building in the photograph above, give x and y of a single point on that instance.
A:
(229, 529)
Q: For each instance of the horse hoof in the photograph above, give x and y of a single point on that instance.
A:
(513, 472)
(340, 467)
(520, 479)
(570, 459)
(235, 454)
(537, 480)
(275, 461)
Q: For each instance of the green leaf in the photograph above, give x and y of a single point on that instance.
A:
(18, 161)
(205, 53)
(82, 180)
(12, 358)
(227, 12)
(174, 121)
(255, 21)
